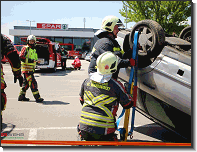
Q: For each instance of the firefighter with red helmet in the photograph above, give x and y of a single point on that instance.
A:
(7, 50)
(100, 96)
(29, 58)
(77, 63)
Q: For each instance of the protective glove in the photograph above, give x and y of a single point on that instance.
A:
(20, 79)
(30, 60)
(132, 62)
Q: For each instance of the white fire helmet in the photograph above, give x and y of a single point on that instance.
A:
(109, 23)
(31, 37)
(107, 63)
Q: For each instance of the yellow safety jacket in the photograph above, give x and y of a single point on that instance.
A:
(31, 54)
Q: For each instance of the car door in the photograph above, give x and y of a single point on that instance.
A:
(165, 92)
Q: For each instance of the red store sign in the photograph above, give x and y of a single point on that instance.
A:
(48, 26)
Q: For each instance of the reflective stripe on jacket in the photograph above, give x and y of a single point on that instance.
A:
(118, 49)
(101, 101)
(31, 54)
(3, 84)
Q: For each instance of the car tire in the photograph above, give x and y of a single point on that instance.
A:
(151, 40)
(186, 34)
(53, 69)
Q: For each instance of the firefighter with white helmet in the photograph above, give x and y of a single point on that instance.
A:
(107, 34)
(100, 96)
(29, 58)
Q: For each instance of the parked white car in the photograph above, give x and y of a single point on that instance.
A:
(88, 57)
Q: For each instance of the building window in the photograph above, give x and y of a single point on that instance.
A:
(59, 40)
(68, 40)
(18, 40)
(51, 39)
(86, 44)
(77, 43)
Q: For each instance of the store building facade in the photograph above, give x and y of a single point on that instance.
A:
(83, 38)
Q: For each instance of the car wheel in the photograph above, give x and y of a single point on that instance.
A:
(151, 40)
(186, 34)
(53, 69)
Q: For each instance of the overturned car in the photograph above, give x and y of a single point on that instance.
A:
(164, 75)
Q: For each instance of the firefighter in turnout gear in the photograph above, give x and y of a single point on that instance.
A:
(107, 34)
(100, 96)
(7, 50)
(77, 63)
(29, 58)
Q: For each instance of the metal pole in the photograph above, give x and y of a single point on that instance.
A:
(30, 27)
(84, 22)
(30, 24)
(126, 16)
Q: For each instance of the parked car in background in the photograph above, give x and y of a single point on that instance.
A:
(84, 54)
(164, 76)
(48, 57)
(88, 56)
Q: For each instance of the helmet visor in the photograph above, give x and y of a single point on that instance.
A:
(120, 24)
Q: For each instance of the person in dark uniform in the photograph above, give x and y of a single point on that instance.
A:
(100, 96)
(107, 34)
(7, 50)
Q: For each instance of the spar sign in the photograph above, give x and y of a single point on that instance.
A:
(52, 26)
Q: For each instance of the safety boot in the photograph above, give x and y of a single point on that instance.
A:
(39, 100)
(23, 98)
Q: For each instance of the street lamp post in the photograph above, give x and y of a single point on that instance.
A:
(84, 22)
(126, 15)
(30, 24)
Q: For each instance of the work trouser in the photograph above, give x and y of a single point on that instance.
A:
(29, 81)
(3, 103)
(87, 136)
(3, 100)
(77, 65)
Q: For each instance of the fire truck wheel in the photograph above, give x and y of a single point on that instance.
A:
(151, 40)
(53, 69)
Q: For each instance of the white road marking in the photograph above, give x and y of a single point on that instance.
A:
(32, 130)
(32, 135)
(43, 128)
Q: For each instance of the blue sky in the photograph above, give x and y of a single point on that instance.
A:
(15, 13)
